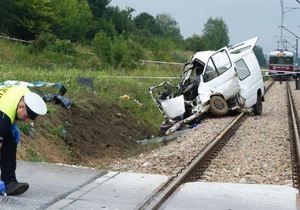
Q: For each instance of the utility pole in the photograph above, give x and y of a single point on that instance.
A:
(283, 11)
(281, 24)
(295, 35)
(297, 73)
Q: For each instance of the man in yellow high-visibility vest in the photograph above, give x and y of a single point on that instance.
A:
(16, 103)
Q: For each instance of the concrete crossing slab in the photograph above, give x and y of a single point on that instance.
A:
(220, 196)
(55, 186)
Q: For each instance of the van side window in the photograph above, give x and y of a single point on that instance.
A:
(221, 61)
(216, 65)
(242, 69)
(210, 71)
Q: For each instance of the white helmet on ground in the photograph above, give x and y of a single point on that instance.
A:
(35, 105)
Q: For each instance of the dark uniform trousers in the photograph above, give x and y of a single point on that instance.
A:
(8, 159)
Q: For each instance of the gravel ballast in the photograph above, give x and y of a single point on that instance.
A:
(258, 153)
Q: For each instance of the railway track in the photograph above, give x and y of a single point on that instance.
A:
(294, 137)
(198, 165)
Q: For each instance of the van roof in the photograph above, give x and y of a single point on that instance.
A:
(203, 55)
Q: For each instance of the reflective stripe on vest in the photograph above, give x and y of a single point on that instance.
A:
(9, 99)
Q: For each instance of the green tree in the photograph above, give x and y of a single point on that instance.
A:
(146, 22)
(122, 19)
(168, 27)
(102, 45)
(162, 49)
(126, 52)
(98, 7)
(104, 25)
(7, 16)
(195, 43)
(74, 19)
(25, 19)
(215, 34)
(258, 51)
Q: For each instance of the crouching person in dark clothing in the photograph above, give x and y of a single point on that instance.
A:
(16, 103)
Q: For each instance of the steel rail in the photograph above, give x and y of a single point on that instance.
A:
(269, 86)
(159, 196)
(156, 201)
(295, 140)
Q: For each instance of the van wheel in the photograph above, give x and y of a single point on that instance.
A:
(258, 106)
(218, 106)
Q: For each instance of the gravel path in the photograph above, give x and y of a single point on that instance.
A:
(258, 153)
(171, 158)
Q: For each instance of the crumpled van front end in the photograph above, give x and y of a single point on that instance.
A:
(212, 81)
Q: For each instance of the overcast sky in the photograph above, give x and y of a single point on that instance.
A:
(244, 18)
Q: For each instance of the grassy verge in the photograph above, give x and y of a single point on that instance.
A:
(17, 62)
(105, 85)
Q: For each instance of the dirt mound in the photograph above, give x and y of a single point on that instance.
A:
(92, 133)
(96, 129)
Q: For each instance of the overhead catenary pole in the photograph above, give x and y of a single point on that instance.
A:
(281, 25)
(283, 11)
(295, 35)
(297, 75)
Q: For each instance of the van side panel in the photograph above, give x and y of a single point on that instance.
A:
(250, 85)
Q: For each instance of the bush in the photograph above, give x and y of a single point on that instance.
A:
(42, 41)
(126, 53)
(102, 45)
(119, 52)
(62, 46)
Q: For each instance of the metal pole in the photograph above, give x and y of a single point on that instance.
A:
(297, 71)
(297, 49)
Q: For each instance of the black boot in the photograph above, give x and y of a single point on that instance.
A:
(16, 188)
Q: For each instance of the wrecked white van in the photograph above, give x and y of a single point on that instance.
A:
(215, 82)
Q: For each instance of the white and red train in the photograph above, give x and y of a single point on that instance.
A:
(281, 65)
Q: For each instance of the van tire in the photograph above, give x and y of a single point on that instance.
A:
(257, 108)
(218, 106)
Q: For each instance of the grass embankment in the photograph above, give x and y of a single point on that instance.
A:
(18, 63)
